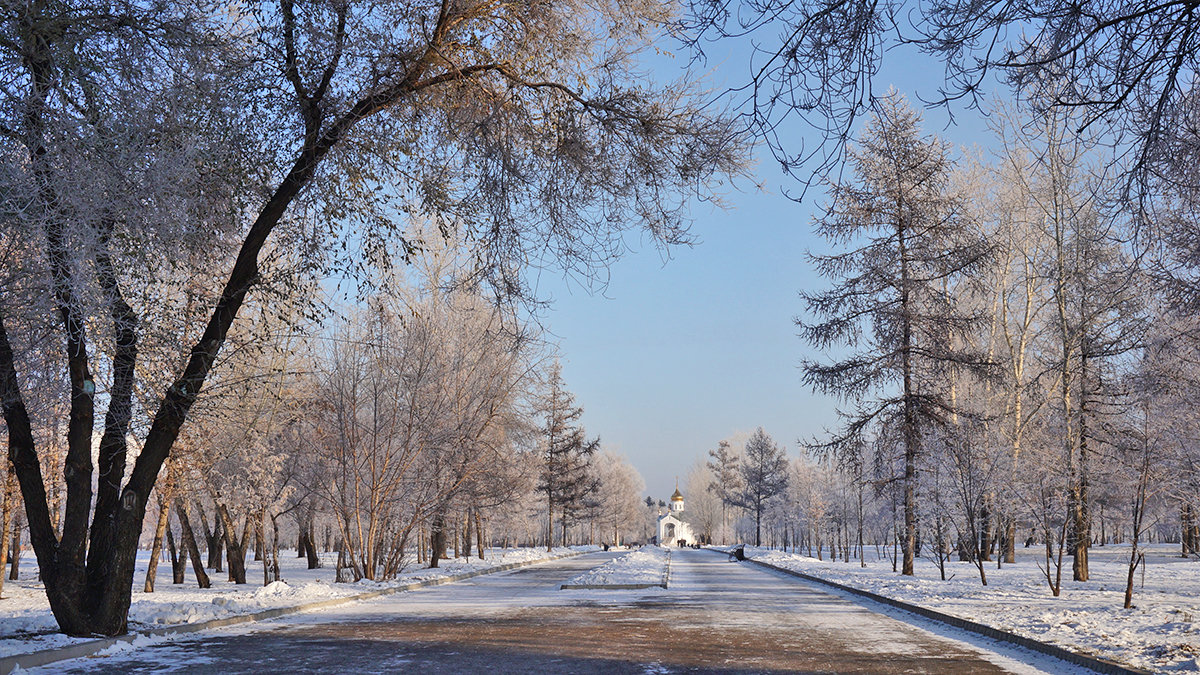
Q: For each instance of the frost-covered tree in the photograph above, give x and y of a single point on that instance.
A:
(764, 473)
(902, 237)
(233, 132)
(566, 478)
(1090, 281)
(618, 496)
(725, 483)
(415, 400)
(1130, 64)
(704, 508)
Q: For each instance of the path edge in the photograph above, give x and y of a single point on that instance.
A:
(48, 656)
(1093, 663)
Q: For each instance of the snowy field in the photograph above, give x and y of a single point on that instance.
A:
(26, 623)
(1159, 633)
(646, 566)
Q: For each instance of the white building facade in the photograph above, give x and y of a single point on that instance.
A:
(673, 529)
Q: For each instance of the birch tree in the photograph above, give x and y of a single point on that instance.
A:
(619, 496)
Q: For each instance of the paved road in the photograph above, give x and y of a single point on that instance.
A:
(717, 616)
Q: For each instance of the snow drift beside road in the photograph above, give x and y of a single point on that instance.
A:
(645, 566)
(1159, 633)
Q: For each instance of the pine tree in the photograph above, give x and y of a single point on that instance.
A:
(566, 476)
(725, 483)
(906, 240)
(764, 476)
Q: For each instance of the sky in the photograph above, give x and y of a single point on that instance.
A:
(675, 355)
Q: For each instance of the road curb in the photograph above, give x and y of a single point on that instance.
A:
(1093, 663)
(47, 656)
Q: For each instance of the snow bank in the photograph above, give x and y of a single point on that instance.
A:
(27, 625)
(644, 567)
(1159, 633)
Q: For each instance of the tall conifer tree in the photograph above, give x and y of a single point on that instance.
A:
(903, 241)
(763, 476)
(566, 477)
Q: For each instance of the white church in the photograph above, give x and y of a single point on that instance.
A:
(673, 529)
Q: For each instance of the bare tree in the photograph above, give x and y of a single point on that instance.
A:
(619, 496)
(705, 509)
(816, 62)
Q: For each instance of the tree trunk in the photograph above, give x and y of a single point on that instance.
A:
(985, 530)
(1010, 540)
(189, 544)
(164, 512)
(263, 556)
(6, 518)
(910, 431)
(310, 548)
(479, 533)
(549, 524)
(14, 555)
(178, 566)
(758, 524)
(466, 530)
(1185, 535)
(1082, 522)
(341, 566)
(437, 539)
(259, 540)
(275, 547)
(301, 542)
(235, 547)
(214, 538)
(457, 537)
(235, 557)
(302, 533)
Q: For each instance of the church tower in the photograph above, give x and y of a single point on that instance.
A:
(673, 529)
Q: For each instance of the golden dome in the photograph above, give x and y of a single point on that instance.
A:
(678, 496)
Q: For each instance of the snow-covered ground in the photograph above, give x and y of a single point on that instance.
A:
(645, 566)
(26, 623)
(1159, 633)
(717, 615)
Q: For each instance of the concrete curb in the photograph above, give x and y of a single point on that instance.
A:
(1093, 663)
(45, 657)
(624, 587)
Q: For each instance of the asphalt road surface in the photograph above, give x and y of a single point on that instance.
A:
(716, 617)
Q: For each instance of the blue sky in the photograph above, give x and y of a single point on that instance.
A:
(676, 355)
